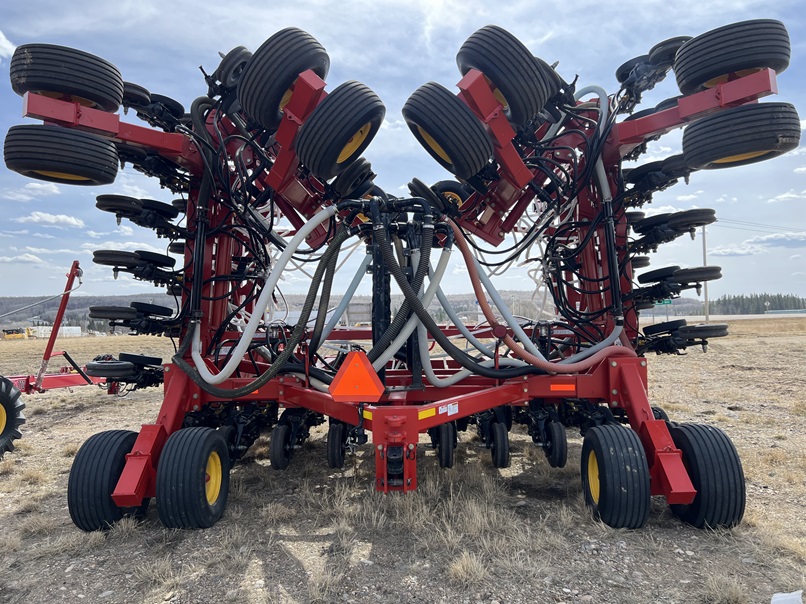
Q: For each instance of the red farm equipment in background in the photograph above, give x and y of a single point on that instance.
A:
(270, 177)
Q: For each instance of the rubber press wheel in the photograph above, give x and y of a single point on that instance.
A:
(61, 155)
(499, 445)
(11, 417)
(691, 219)
(446, 444)
(661, 56)
(113, 313)
(281, 449)
(664, 327)
(737, 49)
(93, 476)
(657, 275)
(140, 359)
(556, 447)
(448, 130)
(615, 476)
(112, 370)
(135, 96)
(154, 310)
(703, 331)
(715, 471)
(624, 70)
(266, 83)
(339, 129)
(67, 74)
(336, 445)
(117, 258)
(155, 259)
(741, 135)
(193, 478)
(697, 274)
(519, 81)
(120, 205)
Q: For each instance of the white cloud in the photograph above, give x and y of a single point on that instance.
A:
(46, 219)
(23, 258)
(129, 246)
(43, 235)
(126, 231)
(686, 197)
(801, 170)
(743, 249)
(6, 47)
(650, 211)
(31, 191)
(780, 240)
(795, 257)
(803, 124)
(95, 234)
(43, 250)
(788, 196)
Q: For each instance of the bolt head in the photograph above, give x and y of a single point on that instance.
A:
(615, 391)
(613, 364)
(614, 403)
(411, 446)
(643, 363)
(380, 447)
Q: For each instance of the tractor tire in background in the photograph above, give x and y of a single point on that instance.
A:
(339, 129)
(267, 80)
(11, 417)
(193, 478)
(741, 135)
(60, 155)
(519, 81)
(736, 49)
(615, 476)
(66, 73)
(93, 476)
(448, 130)
(716, 472)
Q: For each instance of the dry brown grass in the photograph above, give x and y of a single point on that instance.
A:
(467, 570)
(724, 589)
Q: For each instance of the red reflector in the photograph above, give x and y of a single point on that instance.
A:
(356, 381)
(563, 387)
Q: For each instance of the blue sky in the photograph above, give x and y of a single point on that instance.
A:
(394, 47)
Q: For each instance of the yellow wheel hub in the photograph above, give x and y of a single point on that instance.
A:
(741, 157)
(69, 97)
(213, 477)
(724, 78)
(593, 477)
(355, 142)
(286, 98)
(3, 419)
(61, 175)
(435, 146)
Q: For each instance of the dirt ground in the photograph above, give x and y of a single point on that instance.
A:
(470, 534)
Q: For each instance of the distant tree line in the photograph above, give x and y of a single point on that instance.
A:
(755, 304)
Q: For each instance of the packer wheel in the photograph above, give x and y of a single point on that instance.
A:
(446, 444)
(556, 447)
(281, 449)
(336, 445)
(499, 445)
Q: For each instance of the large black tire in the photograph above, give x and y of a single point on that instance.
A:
(448, 130)
(556, 447)
(265, 84)
(697, 274)
(657, 275)
(664, 327)
(93, 476)
(336, 445)
(518, 80)
(281, 449)
(11, 417)
(339, 130)
(67, 73)
(117, 258)
(193, 478)
(697, 332)
(62, 155)
(154, 310)
(139, 359)
(446, 444)
(112, 370)
(716, 472)
(691, 219)
(615, 476)
(741, 135)
(738, 48)
(499, 445)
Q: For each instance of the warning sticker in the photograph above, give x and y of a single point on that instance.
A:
(453, 408)
(443, 409)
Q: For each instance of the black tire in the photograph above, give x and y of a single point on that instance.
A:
(556, 449)
(193, 478)
(691, 219)
(499, 445)
(355, 181)
(281, 449)
(154, 310)
(154, 259)
(697, 274)
(675, 166)
(454, 191)
(639, 114)
(624, 70)
(336, 445)
(113, 313)
(448, 130)
(659, 274)
(615, 476)
(172, 106)
(11, 417)
(165, 210)
(716, 472)
(120, 205)
(113, 370)
(135, 96)
(660, 413)
(66, 73)
(738, 48)
(117, 258)
(668, 103)
(61, 155)
(93, 476)
(180, 204)
(661, 56)
(698, 332)
(232, 66)
(446, 444)
(139, 359)
(518, 80)
(638, 173)
(664, 327)
(338, 131)
(634, 216)
(741, 135)
(640, 262)
(177, 247)
(268, 77)
(648, 224)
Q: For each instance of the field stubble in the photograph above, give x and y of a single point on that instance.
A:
(470, 534)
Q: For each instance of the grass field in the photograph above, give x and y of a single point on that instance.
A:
(470, 534)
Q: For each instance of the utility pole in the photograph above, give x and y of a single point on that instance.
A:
(705, 263)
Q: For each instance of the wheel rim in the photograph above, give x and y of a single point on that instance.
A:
(3, 419)
(213, 478)
(453, 197)
(286, 98)
(69, 97)
(61, 175)
(724, 78)
(355, 142)
(434, 146)
(741, 157)
(593, 477)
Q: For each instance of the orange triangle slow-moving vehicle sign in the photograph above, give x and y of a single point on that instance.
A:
(356, 381)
